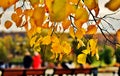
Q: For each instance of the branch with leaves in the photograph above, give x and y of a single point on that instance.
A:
(45, 20)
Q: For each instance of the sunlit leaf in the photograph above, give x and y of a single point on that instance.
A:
(113, 5)
(79, 14)
(74, 1)
(96, 9)
(16, 19)
(72, 33)
(86, 51)
(38, 15)
(46, 40)
(38, 30)
(80, 33)
(92, 29)
(118, 35)
(55, 39)
(56, 48)
(60, 57)
(18, 11)
(66, 24)
(56, 9)
(80, 43)
(34, 2)
(7, 3)
(28, 12)
(70, 9)
(78, 23)
(8, 24)
(81, 58)
(66, 47)
(91, 4)
(32, 41)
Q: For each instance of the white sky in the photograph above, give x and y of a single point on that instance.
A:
(102, 12)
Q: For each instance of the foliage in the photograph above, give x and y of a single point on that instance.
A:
(108, 54)
(117, 54)
(53, 16)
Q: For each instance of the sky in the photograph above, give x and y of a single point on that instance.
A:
(103, 11)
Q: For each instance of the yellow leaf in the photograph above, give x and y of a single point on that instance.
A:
(46, 40)
(38, 30)
(55, 39)
(56, 48)
(32, 31)
(66, 24)
(70, 9)
(72, 33)
(81, 58)
(74, 1)
(38, 15)
(32, 41)
(86, 51)
(7, 3)
(60, 57)
(81, 14)
(91, 4)
(118, 36)
(66, 47)
(78, 23)
(33, 2)
(8, 24)
(92, 29)
(56, 9)
(28, 12)
(80, 43)
(113, 5)
(80, 33)
(93, 43)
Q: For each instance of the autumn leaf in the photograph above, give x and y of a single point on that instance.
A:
(56, 48)
(8, 24)
(81, 58)
(46, 40)
(96, 9)
(7, 3)
(32, 41)
(91, 29)
(72, 33)
(78, 23)
(91, 4)
(66, 47)
(79, 15)
(56, 9)
(38, 15)
(28, 12)
(18, 11)
(34, 2)
(113, 5)
(55, 39)
(86, 51)
(80, 43)
(16, 19)
(66, 24)
(80, 33)
(118, 36)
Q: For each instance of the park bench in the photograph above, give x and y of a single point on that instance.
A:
(32, 72)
